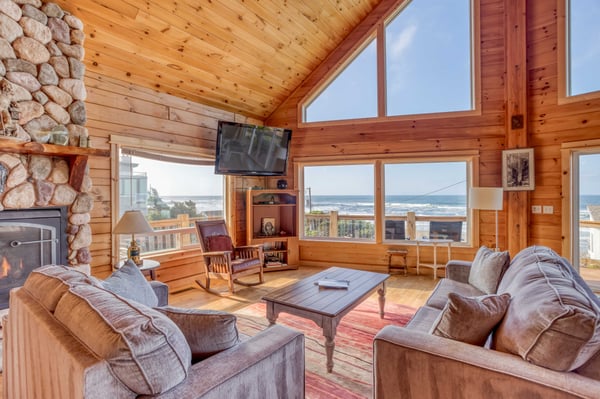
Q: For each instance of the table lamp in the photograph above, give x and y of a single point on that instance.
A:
(133, 222)
(489, 199)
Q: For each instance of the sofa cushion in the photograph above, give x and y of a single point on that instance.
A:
(47, 284)
(423, 319)
(487, 269)
(470, 319)
(552, 321)
(439, 296)
(129, 282)
(145, 350)
(207, 331)
(219, 243)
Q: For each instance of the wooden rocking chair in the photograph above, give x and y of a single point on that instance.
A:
(225, 261)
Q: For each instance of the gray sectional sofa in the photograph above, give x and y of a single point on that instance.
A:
(68, 335)
(543, 342)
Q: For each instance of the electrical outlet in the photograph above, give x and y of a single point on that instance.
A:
(536, 209)
(548, 209)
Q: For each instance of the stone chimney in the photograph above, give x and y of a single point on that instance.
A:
(42, 92)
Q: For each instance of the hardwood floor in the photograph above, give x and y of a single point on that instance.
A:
(409, 290)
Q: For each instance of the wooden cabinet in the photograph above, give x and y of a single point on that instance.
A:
(272, 220)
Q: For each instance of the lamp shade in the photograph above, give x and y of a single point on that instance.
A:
(132, 222)
(486, 198)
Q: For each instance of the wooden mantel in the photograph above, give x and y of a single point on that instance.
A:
(77, 156)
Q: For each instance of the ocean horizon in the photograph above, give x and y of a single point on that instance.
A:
(443, 205)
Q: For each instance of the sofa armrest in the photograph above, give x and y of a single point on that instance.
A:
(404, 359)
(458, 270)
(268, 365)
(162, 292)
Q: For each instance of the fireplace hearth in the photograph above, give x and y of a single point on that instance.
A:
(29, 238)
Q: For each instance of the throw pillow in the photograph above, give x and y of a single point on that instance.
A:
(207, 331)
(129, 282)
(470, 319)
(219, 243)
(144, 349)
(487, 269)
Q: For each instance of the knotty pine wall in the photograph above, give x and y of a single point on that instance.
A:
(117, 107)
(548, 125)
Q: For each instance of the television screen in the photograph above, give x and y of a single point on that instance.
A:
(244, 149)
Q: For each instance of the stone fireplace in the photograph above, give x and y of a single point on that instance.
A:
(42, 92)
(29, 239)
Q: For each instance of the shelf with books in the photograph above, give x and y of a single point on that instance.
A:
(271, 220)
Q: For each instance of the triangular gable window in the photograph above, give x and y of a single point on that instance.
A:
(352, 93)
(428, 67)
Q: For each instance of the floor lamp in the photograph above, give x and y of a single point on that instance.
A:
(489, 199)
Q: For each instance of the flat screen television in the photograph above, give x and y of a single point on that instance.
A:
(251, 150)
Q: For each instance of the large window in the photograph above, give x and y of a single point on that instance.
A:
(426, 200)
(418, 199)
(583, 46)
(428, 62)
(172, 192)
(428, 58)
(339, 202)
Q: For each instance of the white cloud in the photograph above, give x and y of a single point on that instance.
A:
(403, 41)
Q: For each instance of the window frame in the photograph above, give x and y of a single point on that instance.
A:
(169, 150)
(563, 55)
(470, 157)
(377, 32)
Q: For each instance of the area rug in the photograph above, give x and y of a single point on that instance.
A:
(353, 356)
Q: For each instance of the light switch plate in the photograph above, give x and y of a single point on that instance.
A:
(536, 209)
(548, 209)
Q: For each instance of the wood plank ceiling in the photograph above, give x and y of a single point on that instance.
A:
(244, 56)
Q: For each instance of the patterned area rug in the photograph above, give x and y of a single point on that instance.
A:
(353, 356)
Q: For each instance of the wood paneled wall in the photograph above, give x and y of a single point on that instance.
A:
(485, 133)
(117, 107)
(548, 125)
(552, 122)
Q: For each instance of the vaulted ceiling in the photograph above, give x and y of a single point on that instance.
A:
(244, 56)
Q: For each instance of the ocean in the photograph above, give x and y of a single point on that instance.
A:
(446, 205)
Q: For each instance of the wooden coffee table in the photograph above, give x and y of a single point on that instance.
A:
(326, 306)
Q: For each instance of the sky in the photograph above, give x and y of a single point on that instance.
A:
(425, 35)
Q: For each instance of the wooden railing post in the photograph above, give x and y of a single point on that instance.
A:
(183, 220)
(411, 225)
(333, 223)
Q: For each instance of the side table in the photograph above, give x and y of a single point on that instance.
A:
(434, 243)
(148, 266)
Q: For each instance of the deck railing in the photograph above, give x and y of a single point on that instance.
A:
(333, 224)
(178, 233)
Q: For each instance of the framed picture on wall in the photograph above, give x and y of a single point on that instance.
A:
(518, 173)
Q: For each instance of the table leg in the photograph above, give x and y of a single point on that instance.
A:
(329, 330)
(381, 292)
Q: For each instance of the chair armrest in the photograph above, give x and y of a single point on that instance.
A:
(162, 292)
(264, 366)
(402, 358)
(458, 270)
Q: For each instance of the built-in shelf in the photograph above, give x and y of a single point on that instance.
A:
(77, 156)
